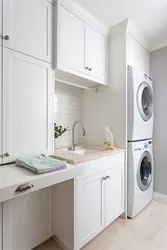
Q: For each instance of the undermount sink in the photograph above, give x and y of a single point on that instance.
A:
(86, 151)
(82, 151)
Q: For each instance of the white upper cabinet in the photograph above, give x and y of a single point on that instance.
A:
(27, 27)
(96, 55)
(114, 194)
(70, 42)
(80, 50)
(27, 106)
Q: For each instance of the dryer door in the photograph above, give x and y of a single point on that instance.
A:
(145, 171)
(145, 101)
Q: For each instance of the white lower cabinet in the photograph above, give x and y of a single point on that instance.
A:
(90, 200)
(114, 204)
(1, 245)
(99, 201)
(27, 220)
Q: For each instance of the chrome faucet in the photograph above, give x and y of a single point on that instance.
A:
(73, 129)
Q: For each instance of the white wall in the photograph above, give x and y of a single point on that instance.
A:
(137, 55)
(68, 109)
(158, 62)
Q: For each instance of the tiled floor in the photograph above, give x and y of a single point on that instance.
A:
(147, 231)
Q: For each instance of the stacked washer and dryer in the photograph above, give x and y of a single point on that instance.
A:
(140, 129)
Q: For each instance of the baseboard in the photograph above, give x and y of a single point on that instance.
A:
(60, 243)
(160, 197)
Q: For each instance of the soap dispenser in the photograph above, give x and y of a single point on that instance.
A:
(108, 138)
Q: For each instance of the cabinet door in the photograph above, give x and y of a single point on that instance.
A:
(96, 55)
(89, 208)
(29, 27)
(27, 220)
(1, 105)
(114, 194)
(27, 106)
(70, 47)
(1, 22)
(1, 226)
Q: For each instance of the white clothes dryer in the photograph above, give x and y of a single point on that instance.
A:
(140, 105)
(140, 176)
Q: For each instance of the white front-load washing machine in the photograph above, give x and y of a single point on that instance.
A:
(140, 176)
(140, 105)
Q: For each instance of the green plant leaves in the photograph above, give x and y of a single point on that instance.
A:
(59, 130)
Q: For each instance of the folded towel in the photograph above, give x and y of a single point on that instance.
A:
(40, 164)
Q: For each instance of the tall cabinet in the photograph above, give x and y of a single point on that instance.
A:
(26, 113)
(26, 79)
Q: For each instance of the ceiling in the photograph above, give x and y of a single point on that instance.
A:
(150, 16)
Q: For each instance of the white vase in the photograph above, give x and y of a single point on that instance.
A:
(57, 142)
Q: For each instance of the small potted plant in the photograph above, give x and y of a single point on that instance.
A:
(58, 132)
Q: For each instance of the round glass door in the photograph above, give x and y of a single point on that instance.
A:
(145, 101)
(144, 173)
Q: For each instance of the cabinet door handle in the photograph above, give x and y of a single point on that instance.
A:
(24, 187)
(90, 69)
(104, 178)
(5, 155)
(87, 68)
(6, 37)
(107, 177)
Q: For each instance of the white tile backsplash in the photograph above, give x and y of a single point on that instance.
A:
(67, 109)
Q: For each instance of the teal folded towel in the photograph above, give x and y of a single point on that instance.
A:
(40, 164)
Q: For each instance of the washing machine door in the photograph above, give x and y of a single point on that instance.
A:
(145, 171)
(145, 101)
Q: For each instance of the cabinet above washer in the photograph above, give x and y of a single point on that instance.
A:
(81, 48)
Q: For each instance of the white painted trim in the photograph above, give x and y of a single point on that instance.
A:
(118, 29)
(138, 36)
(128, 27)
(85, 16)
(59, 242)
(159, 44)
(160, 197)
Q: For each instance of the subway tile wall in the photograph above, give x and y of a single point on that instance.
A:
(67, 109)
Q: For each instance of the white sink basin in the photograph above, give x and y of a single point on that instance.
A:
(82, 151)
(86, 151)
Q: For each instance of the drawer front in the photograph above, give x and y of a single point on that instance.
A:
(101, 164)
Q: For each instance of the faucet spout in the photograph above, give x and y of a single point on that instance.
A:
(73, 134)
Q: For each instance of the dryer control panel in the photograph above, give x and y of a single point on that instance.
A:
(141, 145)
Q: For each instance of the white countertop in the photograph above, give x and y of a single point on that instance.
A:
(12, 176)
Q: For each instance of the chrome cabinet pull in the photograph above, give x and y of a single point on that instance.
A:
(90, 69)
(24, 187)
(87, 68)
(107, 177)
(6, 37)
(104, 178)
(5, 155)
